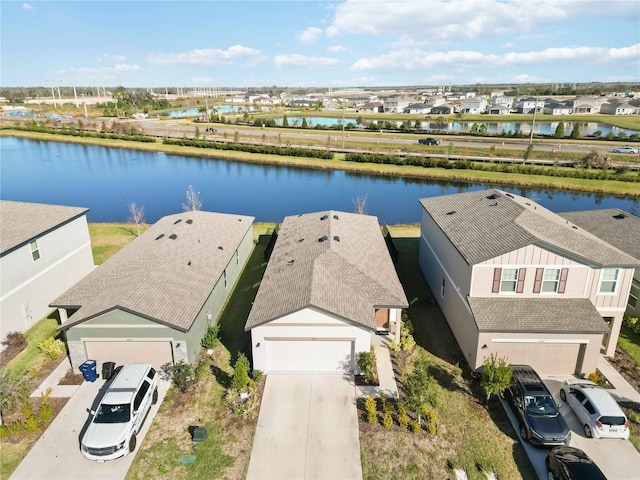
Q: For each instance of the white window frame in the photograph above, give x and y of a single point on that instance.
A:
(545, 280)
(602, 280)
(35, 250)
(514, 280)
(632, 303)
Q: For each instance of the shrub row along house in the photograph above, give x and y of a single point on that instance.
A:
(516, 280)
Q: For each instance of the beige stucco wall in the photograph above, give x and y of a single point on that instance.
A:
(27, 287)
(304, 324)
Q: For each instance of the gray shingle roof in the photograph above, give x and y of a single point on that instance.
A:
(541, 315)
(348, 273)
(160, 277)
(21, 222)
(617, 227)
(487, 223)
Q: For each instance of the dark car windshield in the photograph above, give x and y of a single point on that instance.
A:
(113, 413)
(540, 405)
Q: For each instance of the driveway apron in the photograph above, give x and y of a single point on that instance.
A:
(307, 429)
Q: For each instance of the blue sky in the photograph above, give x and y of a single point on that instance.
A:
(324, 44)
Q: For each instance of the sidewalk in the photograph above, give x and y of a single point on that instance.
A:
(386, 376)
(621, 391)
(52, 381)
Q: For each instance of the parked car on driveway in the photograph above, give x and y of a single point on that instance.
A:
(429, 141)
(625, 150)
(568, 463)
(540, 421)
(121, 413)
(598, 412)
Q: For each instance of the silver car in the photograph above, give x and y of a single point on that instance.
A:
(625, 150)
(598, 412)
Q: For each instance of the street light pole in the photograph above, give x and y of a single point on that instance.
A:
(343, 124)
(533, 124)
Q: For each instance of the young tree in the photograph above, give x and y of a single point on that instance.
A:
(136, 215)
(193, 200)
(285, 122)
(304, 123)
(360, 205)
(559, 130)
(420, 386)
(575, 133)
(12, 391)
(496, 375)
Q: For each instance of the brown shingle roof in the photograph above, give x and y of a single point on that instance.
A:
(21, 222)
(166, 274)
(334, 261)
(537, 315)
(487, 223)
(619, 228)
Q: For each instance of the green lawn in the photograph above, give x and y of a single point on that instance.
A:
(630, 342)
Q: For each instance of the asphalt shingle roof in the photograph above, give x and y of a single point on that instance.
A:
(617, 227)
(487, 223)
(166, 274)
(21, 222)
(537, 315)
(334, 261)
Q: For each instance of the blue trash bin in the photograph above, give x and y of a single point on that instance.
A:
(88, 370)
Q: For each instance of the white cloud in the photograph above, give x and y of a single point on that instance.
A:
(338, 48)
(508, 45)
(295, 60)
(310, 35)
(106, 57)
(438, 20)
(123, 67)
(416, 59)
(204, 57)
(28, 6)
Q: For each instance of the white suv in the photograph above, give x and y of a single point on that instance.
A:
(599, 413)
(124, 407)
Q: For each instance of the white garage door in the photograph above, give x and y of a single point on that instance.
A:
(313, 355)
(559, 358)
(155, 353)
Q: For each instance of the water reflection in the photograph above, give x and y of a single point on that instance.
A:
(106, 180)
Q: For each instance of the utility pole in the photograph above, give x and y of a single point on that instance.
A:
(533, 124)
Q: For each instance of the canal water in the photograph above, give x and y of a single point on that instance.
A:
(106, 180)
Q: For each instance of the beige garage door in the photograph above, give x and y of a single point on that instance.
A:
(155, 353)
(313, 355)
(558, 358)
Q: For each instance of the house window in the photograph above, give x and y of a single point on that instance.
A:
(509, 280)
(633, 300)
(550, 280)
(442, 288)
(35, 251)
(608, 280)
(224, 276)
(237, 258)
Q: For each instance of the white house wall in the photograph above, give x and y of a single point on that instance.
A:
(308, 323)
(29, 286)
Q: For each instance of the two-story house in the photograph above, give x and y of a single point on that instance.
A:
(330, 286)
(44, 249)
(473, 105)
(515, 279)
(529, 104)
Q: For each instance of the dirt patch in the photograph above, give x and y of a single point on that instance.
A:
(627, 367)
(71, 378)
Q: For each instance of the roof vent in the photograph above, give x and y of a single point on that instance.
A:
(177, 221)
(323, 239)
(336, 238)
(452, 212)
(160, 236)
(300, 240)
(324, 217)
(173, 236)
(509, 195)
(189, 221)
(620, 216)
(291, 262)
(335, 217)
(494, 204)
(493, 196)
(189, 263)
(220, 247)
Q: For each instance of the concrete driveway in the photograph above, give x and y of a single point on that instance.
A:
(56, 455)
(618, 459)
(307, 429)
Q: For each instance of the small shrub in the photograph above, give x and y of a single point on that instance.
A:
(371, 408)
(26, 410)
(4, 432)
(183, 376)
(387, 420)
(15, 428)
(15, 340)
(430, 421)
(45, 413)
(368, 365)
(240, 379)
(403, 418)
(257, 375)
(53, 347)
(210, 339)
(31, 424)
(415, 426)
(632, 323)
(394, 346)
(593, 376)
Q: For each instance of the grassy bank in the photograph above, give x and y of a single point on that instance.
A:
(609, 187)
